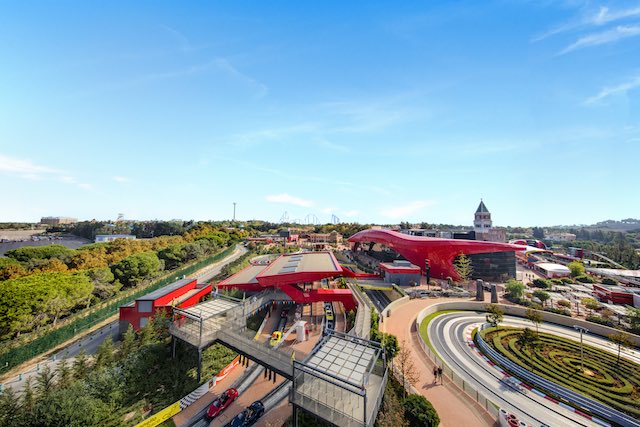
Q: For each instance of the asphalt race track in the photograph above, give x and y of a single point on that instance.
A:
(449, 334)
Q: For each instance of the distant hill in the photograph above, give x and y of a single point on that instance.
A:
(628, 224)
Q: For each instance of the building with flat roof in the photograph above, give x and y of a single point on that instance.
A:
(552, 270)
(290, 273)
(613, 294)
(111, 237)
(57, 220)
(400, 272)
(182, 294)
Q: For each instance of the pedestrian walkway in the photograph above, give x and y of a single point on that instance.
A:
(453, 406)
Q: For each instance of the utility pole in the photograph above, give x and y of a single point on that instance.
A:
(234, 211)
(585, 330)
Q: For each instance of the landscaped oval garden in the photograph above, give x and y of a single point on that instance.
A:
(558, 359)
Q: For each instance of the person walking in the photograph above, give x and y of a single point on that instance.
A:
(440, 374)
(435, 374)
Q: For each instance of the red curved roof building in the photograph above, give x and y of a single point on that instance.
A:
(490, 260)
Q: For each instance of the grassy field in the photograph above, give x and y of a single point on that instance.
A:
(424, 326)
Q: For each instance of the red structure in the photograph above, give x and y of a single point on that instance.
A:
(613, 294)
(289, 272)
(183, 293)
(440, 252)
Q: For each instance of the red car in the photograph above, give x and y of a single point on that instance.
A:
(221, 402)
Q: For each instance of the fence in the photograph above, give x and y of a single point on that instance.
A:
(467, 388)
(50, 340)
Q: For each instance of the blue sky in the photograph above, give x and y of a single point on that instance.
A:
(372, 111)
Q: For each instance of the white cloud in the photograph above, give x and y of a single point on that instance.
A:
(606, 15)
(23, 166)
(121, 179)
(602, 16)
(400, 212)
(604, 37)
(26, 169)
(286, 198)
(614, 90)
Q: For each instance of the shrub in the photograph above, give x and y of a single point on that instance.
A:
(562, 311)
(600, 320)
(577, 269)
(609, 281)
(419, 412)
(567, 280)
(564, 303)
(542, 283)
(585, 279)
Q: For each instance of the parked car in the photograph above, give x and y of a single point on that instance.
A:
(221, 403)
(249, 416)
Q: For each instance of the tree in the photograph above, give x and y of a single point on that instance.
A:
(45, 381)
(404, 362)
(129, 343)
(29, 253)
(534, 316)
(542, 296)
(621, 339)
(81, 365)
(538, 233)
(463, 267)
(147, 333)
(591, 304)
(634, 317)
(135, 268)
(390, 345)
(528, 339)
(9, 408)
(65, 374)
(104, 355)
(28, 398)
(495, 314)
(515, 289)
(420, 412)
(577, 268)
(173, 256)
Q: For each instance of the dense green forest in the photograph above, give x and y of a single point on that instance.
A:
(116, 386)
(41, 284)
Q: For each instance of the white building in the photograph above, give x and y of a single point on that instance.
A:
(112, 237)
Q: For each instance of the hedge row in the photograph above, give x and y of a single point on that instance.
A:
(619, 389)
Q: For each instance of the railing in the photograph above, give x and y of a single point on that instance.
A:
(362, 328)
(567, 394)
(467, 388)
(330, 401)
(269, 357)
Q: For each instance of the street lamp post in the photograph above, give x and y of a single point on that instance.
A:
(582, 330)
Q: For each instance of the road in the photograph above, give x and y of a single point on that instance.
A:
(379, 299)
(91, 341)
(449, 334)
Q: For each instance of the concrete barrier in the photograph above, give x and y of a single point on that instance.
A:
(394, 304)
(514, 310)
